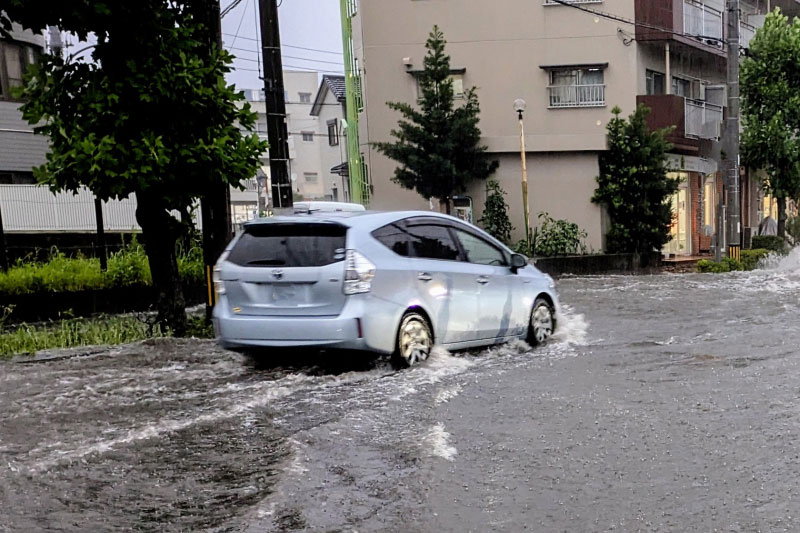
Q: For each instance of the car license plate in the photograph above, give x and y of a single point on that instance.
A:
(288, 294)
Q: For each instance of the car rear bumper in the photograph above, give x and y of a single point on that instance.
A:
(353, 329)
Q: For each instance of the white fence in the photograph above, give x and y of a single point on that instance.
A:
(33, 208)
(577, 95)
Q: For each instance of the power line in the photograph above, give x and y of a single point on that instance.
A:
(241, 19)
(230, 8)
(288, 57)
(290, 45)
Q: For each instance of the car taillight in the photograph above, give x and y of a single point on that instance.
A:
(219, 285)
(358, 273)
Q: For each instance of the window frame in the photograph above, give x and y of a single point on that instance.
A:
(557, 101)
(333, 134)
(28, 55)
(304, 98)
(307, 136)
(650, 76)
(314, 181)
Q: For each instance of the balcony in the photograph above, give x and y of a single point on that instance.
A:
(593, 95)
(690, 22)
(746, 34)
(694, 120)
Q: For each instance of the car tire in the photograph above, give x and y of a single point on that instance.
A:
(542, 323)
(414, 340)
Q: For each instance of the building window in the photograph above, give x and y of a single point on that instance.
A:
(681, 87)
(654, 82)
(577, 88)
(310, 177)
(305, 98)
(333, 132)
(458, 86)
(15, 59)
(308, 136)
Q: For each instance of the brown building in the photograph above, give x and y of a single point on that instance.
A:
(572, 68)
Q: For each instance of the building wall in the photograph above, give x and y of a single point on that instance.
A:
(560, 184)
(331, 156)
(305, 156)
(502, 46)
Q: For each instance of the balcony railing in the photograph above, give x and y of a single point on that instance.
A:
(702, 22)
(746, 34)
(577, 95)
(553, 2)
(703, 119)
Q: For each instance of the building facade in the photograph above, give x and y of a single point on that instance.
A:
(329, 108)
(571, 67)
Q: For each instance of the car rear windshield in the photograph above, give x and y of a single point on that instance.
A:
(289, 245)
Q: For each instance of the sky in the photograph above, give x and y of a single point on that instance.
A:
(311, 38)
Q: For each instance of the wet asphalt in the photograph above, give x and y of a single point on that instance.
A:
(665, 403)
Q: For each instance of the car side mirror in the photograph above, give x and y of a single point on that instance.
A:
(518, 261)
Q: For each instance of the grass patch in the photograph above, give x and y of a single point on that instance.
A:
(70, 333)
(127, 267)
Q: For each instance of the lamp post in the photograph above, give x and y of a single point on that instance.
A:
(519, 107)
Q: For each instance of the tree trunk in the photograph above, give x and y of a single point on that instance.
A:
(444, 205)
(160, 232)
(782, 217)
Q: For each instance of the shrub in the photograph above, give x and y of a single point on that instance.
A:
(726, 265)
(769, 242)
(495, 213)
(793, 228)
(129, 266)
(751, 258)
(190, 266)
(557, 237)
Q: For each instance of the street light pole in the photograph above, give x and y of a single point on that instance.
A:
(519, 107)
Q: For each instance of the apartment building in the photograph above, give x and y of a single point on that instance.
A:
(572, 68)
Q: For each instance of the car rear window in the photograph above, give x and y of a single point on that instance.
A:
(289, 245)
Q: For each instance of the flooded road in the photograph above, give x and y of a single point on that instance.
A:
(665, 403)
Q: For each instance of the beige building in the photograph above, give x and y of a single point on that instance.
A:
(329, 108)
(572, 68)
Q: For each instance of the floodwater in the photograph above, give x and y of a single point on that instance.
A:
(665, 403)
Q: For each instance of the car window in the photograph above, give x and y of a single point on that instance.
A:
(480, 251)
(393, 237)
(289, 245)
(432, 242)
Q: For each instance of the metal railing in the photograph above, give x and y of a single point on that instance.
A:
(577, 95)
(703, 120)
(702, 22)
(746, 34)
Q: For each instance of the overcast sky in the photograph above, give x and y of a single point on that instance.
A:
(311, 38)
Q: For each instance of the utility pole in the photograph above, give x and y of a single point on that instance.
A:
(215, 205)
(3, 255)
(731, 145)
(276, 105)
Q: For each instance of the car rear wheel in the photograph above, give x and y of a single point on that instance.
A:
(414, 340)
(542, 322)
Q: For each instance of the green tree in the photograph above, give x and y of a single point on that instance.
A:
(633, 185)
(495, 213)
(150, 115)
(437, 144)
(770, 83)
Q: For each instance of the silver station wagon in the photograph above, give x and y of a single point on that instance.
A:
(392, 283)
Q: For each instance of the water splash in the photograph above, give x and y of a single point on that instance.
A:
(572, 328)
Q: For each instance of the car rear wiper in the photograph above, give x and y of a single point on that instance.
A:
(267, 262)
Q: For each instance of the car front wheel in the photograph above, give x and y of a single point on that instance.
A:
(542, 322)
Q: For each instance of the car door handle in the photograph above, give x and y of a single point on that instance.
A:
(483, 280)
(424, 276)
